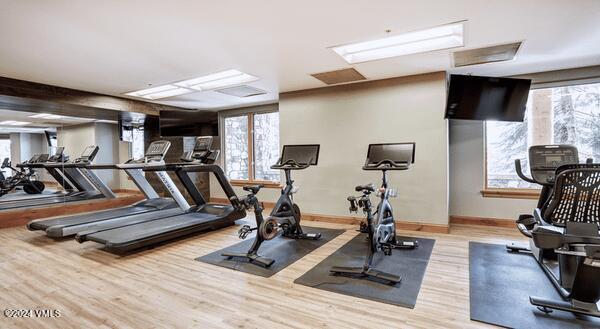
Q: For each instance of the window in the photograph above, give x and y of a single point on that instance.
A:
(252, 147)
(137, 143)
(559, 115)
(5, 153)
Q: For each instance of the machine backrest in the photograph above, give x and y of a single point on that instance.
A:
(545, 159)
(576, 195)
(302, 154)
(5, 163)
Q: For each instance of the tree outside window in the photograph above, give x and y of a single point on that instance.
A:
(251, 147)
(559, 115)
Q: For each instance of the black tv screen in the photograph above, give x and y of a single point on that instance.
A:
(487, 98)
(189, 123)
(50, 138)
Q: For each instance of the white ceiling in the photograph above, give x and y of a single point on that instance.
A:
(116, 46)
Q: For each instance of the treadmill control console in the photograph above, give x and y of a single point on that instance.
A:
(155, 153)
(59, 156)
(88, 154)
(202, 151)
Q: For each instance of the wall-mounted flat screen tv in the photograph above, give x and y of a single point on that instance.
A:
(189, 123)
(486, 98)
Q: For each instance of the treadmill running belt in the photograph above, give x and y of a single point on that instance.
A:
(136, 236)
(20, 196)
(37, 202)
(34, 202)
(64, 221)
(113, 223)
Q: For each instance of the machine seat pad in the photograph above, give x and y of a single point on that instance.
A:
(252, 188)
(367, 187)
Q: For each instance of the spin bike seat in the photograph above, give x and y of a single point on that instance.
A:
(252, 188)
(367, 187)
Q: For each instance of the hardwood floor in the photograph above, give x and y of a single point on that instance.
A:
(166, 288)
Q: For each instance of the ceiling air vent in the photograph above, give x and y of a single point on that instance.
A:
(242, 91)
(484, 55)
(339, 76)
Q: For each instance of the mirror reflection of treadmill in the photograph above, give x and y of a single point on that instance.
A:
(152, 207)
(201, 217)
(72, 177)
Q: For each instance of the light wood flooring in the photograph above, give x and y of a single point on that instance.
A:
(165, 288)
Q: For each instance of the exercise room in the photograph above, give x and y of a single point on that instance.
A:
(300, 164)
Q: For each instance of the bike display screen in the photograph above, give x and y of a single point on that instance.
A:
(397, 152)
(302, 154)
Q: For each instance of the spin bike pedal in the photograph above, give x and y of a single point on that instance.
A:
(244, 231)
(387, 249)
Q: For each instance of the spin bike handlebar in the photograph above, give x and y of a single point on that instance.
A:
(290, 164)
(362, 200)
(387, 164)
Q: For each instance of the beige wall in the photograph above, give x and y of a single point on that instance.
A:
(345, 119)
(467, 156)
(75, 138)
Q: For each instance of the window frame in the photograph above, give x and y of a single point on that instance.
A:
(249, 114)
(503, 192)
(522, 193)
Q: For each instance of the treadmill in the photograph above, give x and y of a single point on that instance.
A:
(79, 183)
(151, 208)
(201, 217)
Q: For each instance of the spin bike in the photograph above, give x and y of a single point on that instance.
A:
(26, 178)
(380, 225)
(285, 216)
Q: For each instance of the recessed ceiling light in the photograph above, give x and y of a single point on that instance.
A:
(160, 92)
(208, 82)
(45, 116)
(14, 123)
(435, 38)
(217, 80)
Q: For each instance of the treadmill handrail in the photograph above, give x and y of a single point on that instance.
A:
(102, 166)
(186, 167)
(68, 165)
(172, 166)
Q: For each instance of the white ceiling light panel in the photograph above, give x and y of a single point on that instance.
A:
(14, 123)
(218, 80)
(436, 38)
(46, 116)
(160, 92)
(213, 81)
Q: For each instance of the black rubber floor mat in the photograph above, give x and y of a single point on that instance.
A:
(284, 251)
(409, 264)
(500, 285)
